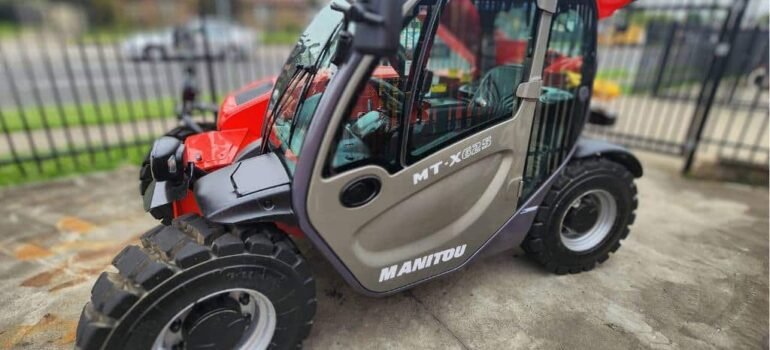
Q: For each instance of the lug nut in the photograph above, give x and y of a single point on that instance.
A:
(176, 326)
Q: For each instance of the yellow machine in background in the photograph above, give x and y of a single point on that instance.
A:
(604, 89)
(631, 35)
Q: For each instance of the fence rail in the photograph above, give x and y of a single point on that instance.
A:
(687, 86)
(72, 105)
(692, 87)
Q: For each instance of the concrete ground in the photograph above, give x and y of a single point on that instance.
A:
(692, 274)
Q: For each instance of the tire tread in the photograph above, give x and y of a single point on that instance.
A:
(166, 251)
(534, 245)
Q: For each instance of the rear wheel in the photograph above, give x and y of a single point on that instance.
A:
(583, 218)
(196, 285)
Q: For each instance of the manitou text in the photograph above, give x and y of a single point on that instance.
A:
(420, 263)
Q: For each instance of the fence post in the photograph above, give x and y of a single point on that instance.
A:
(745, 63)
(722, 54)
(208, 57)
(674, 27)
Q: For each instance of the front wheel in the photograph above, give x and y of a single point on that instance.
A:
(196, 285)
(583, 218)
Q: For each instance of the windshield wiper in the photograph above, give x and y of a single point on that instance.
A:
(313, 70)
(301, 103)
(267, 128)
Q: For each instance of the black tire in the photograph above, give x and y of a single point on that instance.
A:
(179, 264)
(544, 243)
(165, 213)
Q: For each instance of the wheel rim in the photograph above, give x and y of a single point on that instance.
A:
(588, 220)
(254, 306)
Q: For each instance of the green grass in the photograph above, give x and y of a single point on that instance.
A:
(283, 37)
(613, 74)
(104, 36)
(8, 29)
(88, 114)
(69, 165)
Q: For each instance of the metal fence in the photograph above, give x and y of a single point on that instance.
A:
(685, 79)
(72, 103)
(693, 81)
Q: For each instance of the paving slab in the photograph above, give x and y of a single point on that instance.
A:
(693, 274)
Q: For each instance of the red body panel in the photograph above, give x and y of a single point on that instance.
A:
(455, 44)
(239, 123)
(212, 150)
(186, 205)
(608, 7)
(249, 113)
(510, 51)
(557, 66)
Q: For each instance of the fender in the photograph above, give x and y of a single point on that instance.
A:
(253, 190)
(587, 148)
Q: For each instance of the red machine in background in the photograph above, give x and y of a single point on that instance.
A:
(608, 7)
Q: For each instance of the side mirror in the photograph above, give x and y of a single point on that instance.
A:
(378, 25)
(166, 162)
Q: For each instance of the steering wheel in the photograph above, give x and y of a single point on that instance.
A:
(497, 90)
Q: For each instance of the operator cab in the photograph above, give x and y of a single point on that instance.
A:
(474, 64)
(443, 134)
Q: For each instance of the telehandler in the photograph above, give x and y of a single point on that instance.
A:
(404, 139)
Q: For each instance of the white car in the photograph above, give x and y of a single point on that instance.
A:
(225, 40)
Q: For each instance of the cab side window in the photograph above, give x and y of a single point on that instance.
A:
(567, 74)
(370, 134)
(477, 61)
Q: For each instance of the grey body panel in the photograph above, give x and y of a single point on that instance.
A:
(251, 150)
(512, 234)
(160, 193)
(253, 190)
(410, 219)
(586, 148)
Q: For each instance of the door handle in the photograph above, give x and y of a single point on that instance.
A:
(360, 192)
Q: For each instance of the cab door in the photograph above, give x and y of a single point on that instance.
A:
(422, 162)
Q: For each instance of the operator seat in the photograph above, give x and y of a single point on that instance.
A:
(496, 95)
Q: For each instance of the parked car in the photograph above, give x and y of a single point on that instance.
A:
(225, 40)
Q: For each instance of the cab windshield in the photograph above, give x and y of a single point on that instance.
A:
(301, 85)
